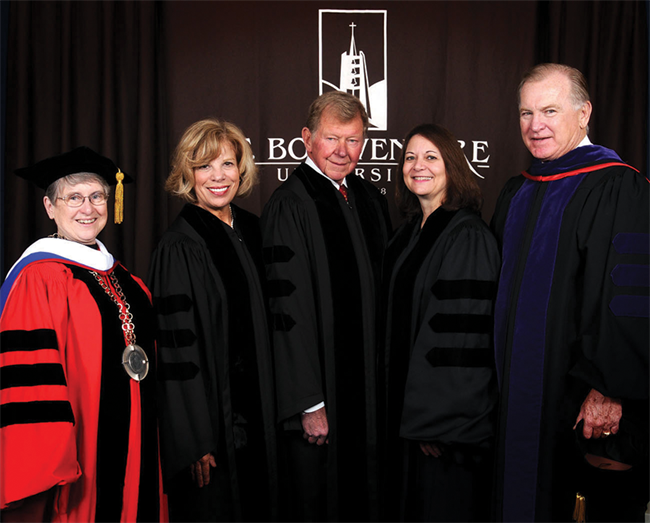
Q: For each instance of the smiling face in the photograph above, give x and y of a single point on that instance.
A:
(550, 124)
(216, 183)
(335, 147)
(79, 224)
(424, 172)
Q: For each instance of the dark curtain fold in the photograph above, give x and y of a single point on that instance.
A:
(4, 25)
(86, 73)
(608, 42)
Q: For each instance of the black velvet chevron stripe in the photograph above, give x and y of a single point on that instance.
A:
(166, 305)
(468, 289)
(35, 412)
(31, 375)
(173, 339)
(459, 323)
(460, 357)
(182, 371)
(18, 340)
(280, 288)
(277, 254)
(282, 322)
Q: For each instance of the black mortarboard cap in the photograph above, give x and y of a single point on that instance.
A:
(79, 160)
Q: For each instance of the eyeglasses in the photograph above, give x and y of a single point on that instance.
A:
(77, 200)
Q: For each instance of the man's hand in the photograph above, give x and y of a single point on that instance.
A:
(601, 415)
(201, 470)
(315, 426)
(430, 449)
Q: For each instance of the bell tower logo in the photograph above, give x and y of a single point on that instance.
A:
(352, 58)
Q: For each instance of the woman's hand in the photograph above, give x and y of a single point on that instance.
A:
(430, 449)
(201, 470)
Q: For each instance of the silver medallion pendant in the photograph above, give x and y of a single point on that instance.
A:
(135, 362)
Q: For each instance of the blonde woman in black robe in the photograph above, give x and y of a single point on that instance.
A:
(216, 392)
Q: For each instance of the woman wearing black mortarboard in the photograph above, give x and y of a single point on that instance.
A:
(78, 429)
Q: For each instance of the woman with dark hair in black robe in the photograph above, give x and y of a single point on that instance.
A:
(440, 273)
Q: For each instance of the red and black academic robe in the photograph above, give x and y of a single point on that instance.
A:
(215, 370)
(323, 259)
(571, 315)
(72, 419)
(439, 290)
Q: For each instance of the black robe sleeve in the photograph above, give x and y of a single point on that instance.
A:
(612, 281)
(182, 287)
(450, 391)
(288, 256)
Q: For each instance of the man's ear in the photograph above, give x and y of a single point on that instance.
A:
(585, 115)
(306, 137)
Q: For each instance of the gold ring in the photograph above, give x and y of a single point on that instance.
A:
(606, 433)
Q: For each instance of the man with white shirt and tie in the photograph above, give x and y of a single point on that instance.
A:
(324, 234)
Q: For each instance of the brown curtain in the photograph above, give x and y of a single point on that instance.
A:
(86, 73)
(127, 77)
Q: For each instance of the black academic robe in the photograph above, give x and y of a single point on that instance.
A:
(215, 371)
(439, 290)
(323, 260)
(571, 315)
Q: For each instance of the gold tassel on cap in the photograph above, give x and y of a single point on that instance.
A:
(580, 511)
(119, 197)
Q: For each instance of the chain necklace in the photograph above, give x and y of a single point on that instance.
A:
(134, 358)
(58, 236)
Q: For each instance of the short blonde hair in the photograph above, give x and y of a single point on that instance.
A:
(344, 106)
(200, 144)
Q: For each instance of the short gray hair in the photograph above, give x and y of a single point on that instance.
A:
(55, 188)
(579, 90)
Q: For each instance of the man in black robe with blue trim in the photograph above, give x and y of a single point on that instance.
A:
(324, 233)
(571, 318)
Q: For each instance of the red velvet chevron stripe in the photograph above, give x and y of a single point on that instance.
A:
(559, 176)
